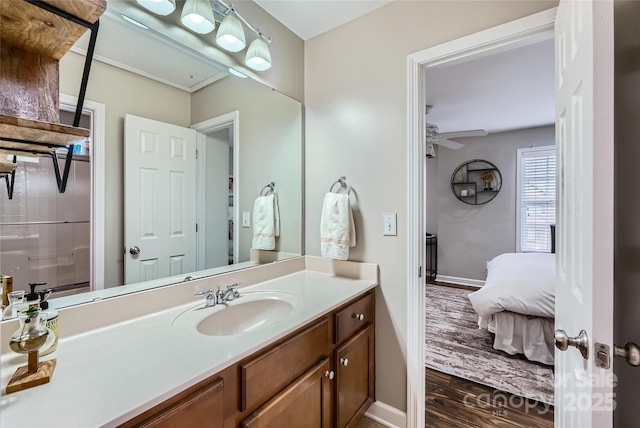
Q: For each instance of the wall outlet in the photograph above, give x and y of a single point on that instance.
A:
(389, 224)
(246, 219)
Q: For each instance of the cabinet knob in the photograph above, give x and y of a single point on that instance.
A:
(359, 317)
(330, 374)
(344, 361)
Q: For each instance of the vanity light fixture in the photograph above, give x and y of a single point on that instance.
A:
(161, 7)
(197, 16)
(230, 35)
(200, 17)
(258, 55)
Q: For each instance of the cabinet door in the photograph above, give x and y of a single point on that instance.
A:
(306, 403)
(197, 407)
(354, 377)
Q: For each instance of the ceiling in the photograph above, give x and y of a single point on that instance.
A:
(308, 18)
(501, 92)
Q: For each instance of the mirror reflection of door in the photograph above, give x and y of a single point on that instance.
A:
(194, 228)
(160, 199)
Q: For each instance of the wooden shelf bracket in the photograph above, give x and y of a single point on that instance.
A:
(61, 178)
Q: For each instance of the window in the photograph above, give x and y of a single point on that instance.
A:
(536, 199)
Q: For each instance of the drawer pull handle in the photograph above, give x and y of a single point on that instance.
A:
(330, 374)
(359, 317)
(344, 361)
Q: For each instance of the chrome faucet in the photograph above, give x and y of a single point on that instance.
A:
(231, 293)
(220, 296)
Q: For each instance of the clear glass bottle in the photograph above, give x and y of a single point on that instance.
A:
(31, 335)
(16, 303)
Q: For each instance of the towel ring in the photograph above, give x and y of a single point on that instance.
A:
(342, 181)
(271, 187)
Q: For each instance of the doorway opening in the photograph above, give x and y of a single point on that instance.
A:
(519, 33)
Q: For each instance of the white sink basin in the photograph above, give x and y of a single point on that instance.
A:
(252, 311)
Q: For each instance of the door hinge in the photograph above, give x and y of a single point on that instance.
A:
(197, 154)
(419, 271)
(602, 356)
(196, 227)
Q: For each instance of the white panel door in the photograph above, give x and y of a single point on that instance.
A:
(584, 279)
(160, 199)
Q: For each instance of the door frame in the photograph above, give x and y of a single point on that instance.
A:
(521, 32)
(97, 235)
(228, 120)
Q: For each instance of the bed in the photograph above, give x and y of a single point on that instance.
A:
(517, 304)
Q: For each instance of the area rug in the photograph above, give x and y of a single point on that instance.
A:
(456, 346)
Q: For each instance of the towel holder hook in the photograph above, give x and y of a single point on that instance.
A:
(271, 187)
(342, 181)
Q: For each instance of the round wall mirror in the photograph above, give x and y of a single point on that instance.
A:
(476, 182)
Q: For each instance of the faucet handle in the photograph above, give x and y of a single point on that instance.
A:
(232, 289)
(202, 293)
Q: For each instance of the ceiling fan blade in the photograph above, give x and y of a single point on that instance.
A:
(461, 134)
(447, 143)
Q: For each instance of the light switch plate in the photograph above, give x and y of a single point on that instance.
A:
(246, 219)
(389, 224)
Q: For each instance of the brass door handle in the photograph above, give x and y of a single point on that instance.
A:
(630, 352)
(581, 342)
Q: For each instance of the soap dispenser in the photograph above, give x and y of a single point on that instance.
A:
(49, 318)
(33, 298)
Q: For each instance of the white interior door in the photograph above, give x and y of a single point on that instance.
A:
(160, 201)
(584, 279)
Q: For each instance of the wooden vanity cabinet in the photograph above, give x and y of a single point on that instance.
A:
(198, 406)
(322, 376)
(354, 377)
(304, 403)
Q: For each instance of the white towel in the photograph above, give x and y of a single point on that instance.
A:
(266, 222)
(337, 231)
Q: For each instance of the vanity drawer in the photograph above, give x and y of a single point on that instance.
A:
(357, 315)
(264, 376)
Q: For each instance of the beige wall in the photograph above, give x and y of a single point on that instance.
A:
(270, 150)
(471, 235)
(287, 51)
(122, 93)
(355, 119)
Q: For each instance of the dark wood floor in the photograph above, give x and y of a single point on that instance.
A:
(452, 402)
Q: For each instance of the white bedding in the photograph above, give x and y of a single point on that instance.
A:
(517, 304)
(522, 334)
(523, 283)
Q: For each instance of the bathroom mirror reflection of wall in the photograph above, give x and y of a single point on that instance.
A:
(75, 241)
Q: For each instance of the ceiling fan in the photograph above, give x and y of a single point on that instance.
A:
(434, 136)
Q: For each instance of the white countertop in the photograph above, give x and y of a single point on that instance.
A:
(107, 376)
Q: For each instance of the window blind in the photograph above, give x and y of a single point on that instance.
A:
(537, 199)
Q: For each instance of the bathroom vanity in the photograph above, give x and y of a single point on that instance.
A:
(310, 365)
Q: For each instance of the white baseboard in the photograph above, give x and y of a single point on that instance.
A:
(386, 415)
(462, 281)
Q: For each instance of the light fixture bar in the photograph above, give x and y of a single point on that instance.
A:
(251, 27)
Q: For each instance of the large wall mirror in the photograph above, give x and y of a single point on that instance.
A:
(246, 135)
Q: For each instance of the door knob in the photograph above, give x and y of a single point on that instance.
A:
(581, 342)
(344, 361)
(359, 317)
(630, 352)
(330, 374)
(134, 250)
